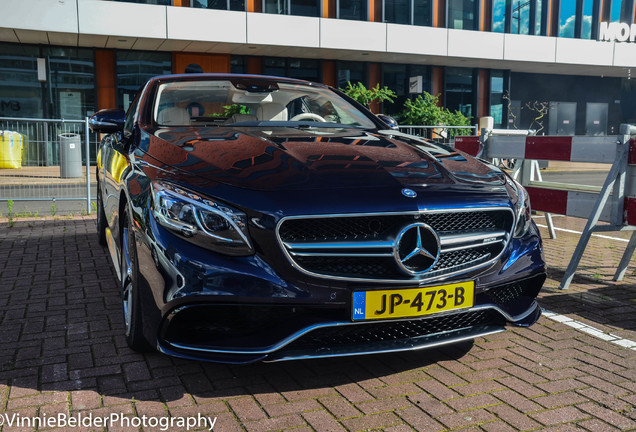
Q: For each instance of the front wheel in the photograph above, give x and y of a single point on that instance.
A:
(131, 306)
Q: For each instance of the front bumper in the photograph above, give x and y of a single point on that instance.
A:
(247, 332)
(240, 310)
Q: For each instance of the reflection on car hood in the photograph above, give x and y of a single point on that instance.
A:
(316, 158)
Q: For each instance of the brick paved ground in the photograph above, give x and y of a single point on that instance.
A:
(62, 351)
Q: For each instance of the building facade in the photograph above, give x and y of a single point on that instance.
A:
(561, 66)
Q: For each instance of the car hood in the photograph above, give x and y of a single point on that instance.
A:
(314, 158)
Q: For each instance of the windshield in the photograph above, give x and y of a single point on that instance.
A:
(253, 102)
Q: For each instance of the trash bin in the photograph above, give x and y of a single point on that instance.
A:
(70, 155)
(10, 150)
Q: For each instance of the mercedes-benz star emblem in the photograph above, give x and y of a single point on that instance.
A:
(409, 193)
(416, 248)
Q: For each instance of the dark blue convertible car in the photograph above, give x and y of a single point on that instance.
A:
(260, 218)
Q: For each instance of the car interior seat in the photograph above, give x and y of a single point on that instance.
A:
(272, 112)
(173, 116)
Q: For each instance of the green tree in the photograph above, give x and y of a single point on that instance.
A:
(367, 96)
(230, 110)
(425, 110)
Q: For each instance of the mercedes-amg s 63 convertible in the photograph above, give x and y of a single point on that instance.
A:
(260, 218)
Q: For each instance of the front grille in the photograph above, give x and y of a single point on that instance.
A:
(369, 333)
(342, 228)
(338, 228)
(363, 247)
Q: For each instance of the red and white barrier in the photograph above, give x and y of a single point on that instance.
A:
(630, 200)
(614, 203)
(565, 199)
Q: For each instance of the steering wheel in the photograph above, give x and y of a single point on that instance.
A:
(308, 116)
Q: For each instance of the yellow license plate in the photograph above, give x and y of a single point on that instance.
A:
(412, 302)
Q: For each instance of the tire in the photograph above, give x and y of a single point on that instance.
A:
(131, 306)
(101, 218)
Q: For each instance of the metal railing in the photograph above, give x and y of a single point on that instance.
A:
(53, 166)
(42, 178)
(443, 134)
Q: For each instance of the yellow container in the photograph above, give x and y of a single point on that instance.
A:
(10, 150)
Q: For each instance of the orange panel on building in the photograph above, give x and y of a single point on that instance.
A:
(255, 65)
(483, 88)
(328, 8)
(439, 13)
(485, 16)
(437, 83)
(105, 78)
(329, 72)
(375, 78)
(209, 63)
(254, 6)
(375, 10)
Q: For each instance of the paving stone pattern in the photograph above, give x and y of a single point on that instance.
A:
(62, 351)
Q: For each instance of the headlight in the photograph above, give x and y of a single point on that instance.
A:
(522, 211)
(201, 220)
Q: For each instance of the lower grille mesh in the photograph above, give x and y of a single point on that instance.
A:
(505, 295)
(365, 333)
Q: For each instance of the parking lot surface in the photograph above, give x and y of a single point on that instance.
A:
(63, 356)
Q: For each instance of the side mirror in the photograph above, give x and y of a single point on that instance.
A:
(388, 120)
(108, 121)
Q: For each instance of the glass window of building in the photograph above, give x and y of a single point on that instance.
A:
(352, 72)
(132, 70)
(615, 11)
(520, 16)
(567, 18)
(459, 91)
(155, 2)
(21, 94)
(309, 8)
(352, 10)
(307, 69)
(71, 82)
(276, 66)
(498, 16)
(576, 17)
(423, 12)
(396, 77)
(588, 12)
(416, 12)
(462, 14)
(622, 11)
(397, 11)
(537, 16)
(238, 64)
(69, 89)
(235, 5)
(498, 105)
(517, 16)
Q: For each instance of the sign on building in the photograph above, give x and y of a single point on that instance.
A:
(415, 84)
(617, 31)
